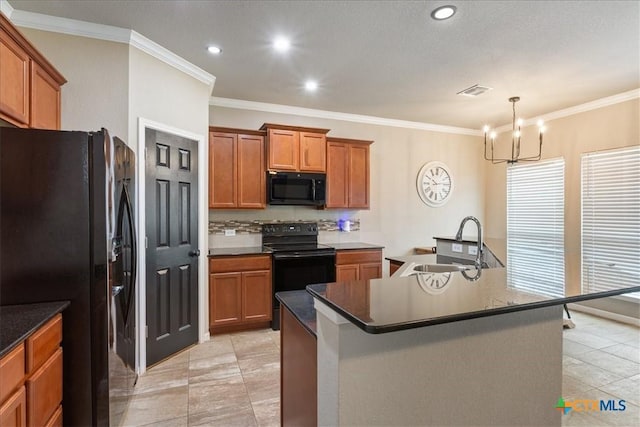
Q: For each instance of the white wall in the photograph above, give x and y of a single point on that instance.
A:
(397, 218)
(96, 92)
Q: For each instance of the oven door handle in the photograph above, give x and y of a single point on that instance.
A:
(309, 254)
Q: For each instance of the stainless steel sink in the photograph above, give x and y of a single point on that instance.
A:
(440, 268)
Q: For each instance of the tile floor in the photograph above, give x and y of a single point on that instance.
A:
(233, 380)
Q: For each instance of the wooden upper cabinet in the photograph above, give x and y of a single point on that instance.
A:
(14, 81)
(284, 149)
(222, 170)
(348, 178)
(236, 169)
(313, 148)
(294, 148)
(45, 99)
(358, 183)
(29, 84)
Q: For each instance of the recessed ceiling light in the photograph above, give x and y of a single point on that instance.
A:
(281, 44)
(214, 49)
(311, 85)
(443, 12)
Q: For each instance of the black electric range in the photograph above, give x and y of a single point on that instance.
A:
(298, 259)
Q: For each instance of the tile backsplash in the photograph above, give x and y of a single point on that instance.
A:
(255, 226)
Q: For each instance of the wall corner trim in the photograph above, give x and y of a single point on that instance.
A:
(38, 21)
(6, 8)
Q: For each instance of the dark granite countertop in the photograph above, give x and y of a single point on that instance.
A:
(300, 304)
(398, 303)
(17, 322)
(348, 246)
(246, 250)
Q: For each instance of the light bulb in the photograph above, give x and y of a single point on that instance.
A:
(493, 135)
(214, 49)
(486, 128)
(520, 122)
(281, 44)
(311, 85)
(543, 129)
(540, 123)
(517, 134)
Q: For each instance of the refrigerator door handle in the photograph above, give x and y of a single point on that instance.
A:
(116, 289)
(133, 252)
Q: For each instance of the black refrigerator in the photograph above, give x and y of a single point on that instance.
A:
(67, 232)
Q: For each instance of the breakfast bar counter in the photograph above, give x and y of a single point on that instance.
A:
(440, 348)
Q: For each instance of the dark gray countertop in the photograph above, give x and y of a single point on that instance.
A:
(300, 304)
(398, 303)
(348, 246)
(245, 250)
(17, 322)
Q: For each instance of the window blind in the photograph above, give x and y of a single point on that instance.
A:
(611, 219)
(535, 227)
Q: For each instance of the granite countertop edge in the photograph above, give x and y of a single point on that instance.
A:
(300, 304)
(20, 321)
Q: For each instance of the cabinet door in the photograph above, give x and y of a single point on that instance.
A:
(345, 273)
(358, 176)
(337, 192)
(14, 411)
(313, 152)
(283, 147)
(251, 172)
(14, 82)
(257, 295)
(44, 390)
(45, 99)
(222, 170)
(225, 298)
(370, 271)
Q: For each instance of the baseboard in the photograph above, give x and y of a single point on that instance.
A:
(605, 314)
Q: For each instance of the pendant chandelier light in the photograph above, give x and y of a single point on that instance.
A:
(515, 140)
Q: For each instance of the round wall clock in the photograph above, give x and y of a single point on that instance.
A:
(435, 184)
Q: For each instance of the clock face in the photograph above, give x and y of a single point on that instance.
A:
(433, 283)
(434, 184)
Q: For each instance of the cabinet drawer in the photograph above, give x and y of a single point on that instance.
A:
(14, 411)
(11, 371)
(44, 343)
(358, 257)
(44, 390)
(236, 263)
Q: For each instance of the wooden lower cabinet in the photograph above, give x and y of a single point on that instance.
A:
(240, 293)
(298, 373)
(31, 379)
(358, 264)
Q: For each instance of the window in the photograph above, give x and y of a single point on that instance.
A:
(535, 227)
(611, 219)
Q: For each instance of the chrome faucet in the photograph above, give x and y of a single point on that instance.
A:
(459, 237)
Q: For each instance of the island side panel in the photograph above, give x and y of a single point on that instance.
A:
(497, 370)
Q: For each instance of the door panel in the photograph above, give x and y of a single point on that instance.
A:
(222, 170)
(251, 173)
(257, 295)
(313, 150)
(370, 271)
(172, 244)
(225, 298)
(345, 273)
(359, 176)
(337, 180)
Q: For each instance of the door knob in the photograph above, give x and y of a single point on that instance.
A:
(194, 253)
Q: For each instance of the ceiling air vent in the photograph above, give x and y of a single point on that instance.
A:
(474, 90)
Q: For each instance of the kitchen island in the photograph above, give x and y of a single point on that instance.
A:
(459, 348)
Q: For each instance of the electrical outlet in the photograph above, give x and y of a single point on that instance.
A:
(456, 247)
(473, 250)
(229, 232)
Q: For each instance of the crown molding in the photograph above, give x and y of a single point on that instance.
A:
(110, 33)
(332, 115)
(582, 108)
(6, 8)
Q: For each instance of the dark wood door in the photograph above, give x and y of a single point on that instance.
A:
(172, 244)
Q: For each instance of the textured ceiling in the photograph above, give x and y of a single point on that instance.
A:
(389, 58)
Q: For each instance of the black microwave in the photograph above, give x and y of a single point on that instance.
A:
(296, 188)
